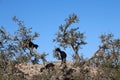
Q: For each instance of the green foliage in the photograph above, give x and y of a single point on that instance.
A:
(107, 58)
(12, 53)
(70, 37)
(67, 36)
(23, 32)
(8, 71)
(10, 44)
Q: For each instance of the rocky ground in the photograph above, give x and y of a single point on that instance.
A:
(34, 70)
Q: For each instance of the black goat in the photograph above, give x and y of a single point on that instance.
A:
(28, 44)
(63, 55)
(48, 66)
(32, 45)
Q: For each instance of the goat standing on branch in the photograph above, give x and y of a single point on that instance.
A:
(63, 55)
(28, 44)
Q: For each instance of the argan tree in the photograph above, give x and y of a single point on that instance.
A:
(111, 61)
(70, 37)
(23, 33)
(12, 52)
(107, 58)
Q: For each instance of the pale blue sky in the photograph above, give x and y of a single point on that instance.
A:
(44, 16)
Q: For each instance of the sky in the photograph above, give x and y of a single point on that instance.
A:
(45, 16)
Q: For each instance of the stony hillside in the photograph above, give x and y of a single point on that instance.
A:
(56, 72)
